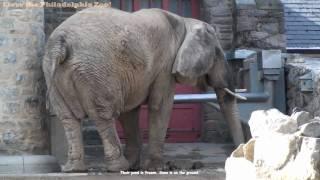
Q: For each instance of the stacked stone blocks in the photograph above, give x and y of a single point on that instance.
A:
(260, 24)
(21, 81)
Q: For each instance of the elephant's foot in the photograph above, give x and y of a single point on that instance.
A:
(155, 164)
(116, 165)
(133, 156)
(74, 166)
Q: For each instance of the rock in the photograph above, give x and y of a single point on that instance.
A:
(264, 122)
(276, 41)
(311, 129)
(306, 163)
(248, 150)
(245, 150)
(259, 35)
(273, 151)
(241, 157)
(279, 150)
(271, 28)
(239, 168)
(246, 23)
(238, 152)
(301, 117)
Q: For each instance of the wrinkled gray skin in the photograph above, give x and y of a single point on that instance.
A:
(104, 63)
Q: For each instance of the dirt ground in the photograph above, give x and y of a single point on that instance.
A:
(188, 161)
(212, 173)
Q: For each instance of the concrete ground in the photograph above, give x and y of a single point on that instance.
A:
(191, 161)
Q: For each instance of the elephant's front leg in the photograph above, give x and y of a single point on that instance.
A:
(130, 124)
(160, 107)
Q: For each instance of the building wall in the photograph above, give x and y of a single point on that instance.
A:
(260, 24)
(22, 117)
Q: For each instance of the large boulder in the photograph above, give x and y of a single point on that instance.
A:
(240, 161)
(264, 122)
(282, 147)
(301, 117)
(311, 129)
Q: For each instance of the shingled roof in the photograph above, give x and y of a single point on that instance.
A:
(302, 23)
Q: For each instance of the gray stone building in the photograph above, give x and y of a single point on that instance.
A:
(246, 24)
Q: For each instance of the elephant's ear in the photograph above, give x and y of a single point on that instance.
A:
(196, 53)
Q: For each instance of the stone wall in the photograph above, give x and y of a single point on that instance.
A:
(256, 24)
(297, 66)
(220, 14)
(21, 81)
(214, 128)
(260, 24)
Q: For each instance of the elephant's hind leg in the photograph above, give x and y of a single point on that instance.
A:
(104, 118)
(72, 128)
(130, 124)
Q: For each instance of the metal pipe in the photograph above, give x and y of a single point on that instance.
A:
(269, 87)
(198, 98)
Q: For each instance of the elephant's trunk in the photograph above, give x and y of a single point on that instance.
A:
(230, 112)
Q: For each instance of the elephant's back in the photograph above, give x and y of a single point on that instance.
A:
(95, 24)
(92, 15)
(113, 35)
(113, 26)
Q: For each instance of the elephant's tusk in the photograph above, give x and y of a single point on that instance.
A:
(234, 94)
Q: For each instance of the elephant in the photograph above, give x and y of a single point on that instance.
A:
(103, 63)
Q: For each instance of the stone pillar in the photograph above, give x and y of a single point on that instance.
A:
(22, 90)
(220, 14)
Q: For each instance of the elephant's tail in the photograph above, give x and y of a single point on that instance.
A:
(60, 52)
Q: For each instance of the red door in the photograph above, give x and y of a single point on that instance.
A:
(185, 118)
